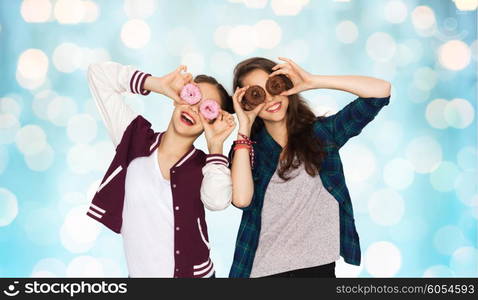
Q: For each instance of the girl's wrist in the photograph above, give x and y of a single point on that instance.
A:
(154, 84)
(244, 131)
(317, 82)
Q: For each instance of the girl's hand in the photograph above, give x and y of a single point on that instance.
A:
(171, 84)
(217, 131)
(246, 118)
(301, 79)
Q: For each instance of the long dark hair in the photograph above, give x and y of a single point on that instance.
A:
(302, 145)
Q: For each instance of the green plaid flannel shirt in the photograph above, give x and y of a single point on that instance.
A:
(334, 131)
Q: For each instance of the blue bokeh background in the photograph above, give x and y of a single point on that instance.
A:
(412, 173)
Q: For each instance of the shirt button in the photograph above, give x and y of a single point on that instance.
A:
(176, 208)
(177, 228)
(174, 185)
(177, 252)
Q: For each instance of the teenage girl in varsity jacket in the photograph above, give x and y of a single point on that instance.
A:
(157, 185)
(298, 216)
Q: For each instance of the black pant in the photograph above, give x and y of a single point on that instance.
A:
(327, 270)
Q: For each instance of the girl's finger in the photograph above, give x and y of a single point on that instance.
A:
(280, 66)
(258, 108)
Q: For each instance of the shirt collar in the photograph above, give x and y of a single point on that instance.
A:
(265, 141)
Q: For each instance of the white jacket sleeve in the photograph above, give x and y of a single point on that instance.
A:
(216, 187)
(108, 81)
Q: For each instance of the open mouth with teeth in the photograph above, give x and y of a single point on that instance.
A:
(274, 107)
(187, 119)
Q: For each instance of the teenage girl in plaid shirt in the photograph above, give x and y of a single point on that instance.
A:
(295, 223)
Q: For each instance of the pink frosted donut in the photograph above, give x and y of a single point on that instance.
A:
(191, 93)
(209, 109)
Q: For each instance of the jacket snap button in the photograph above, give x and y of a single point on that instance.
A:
(176, 208)
(174, 185)
(177, 228)
(174, 171)
(177, 252)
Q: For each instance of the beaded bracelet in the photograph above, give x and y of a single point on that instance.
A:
(248, 143)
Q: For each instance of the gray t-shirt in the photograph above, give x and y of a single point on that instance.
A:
(300, 225)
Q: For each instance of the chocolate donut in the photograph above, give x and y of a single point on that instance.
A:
(276, 84)
(254, 96)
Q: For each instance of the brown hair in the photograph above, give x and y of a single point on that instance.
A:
(301, 141)
(226, 99)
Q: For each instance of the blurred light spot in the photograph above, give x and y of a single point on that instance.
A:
(36, 11)
(111, 268)
(464, 261)
(443, 178)
(459, 113)
(398, 173)
(448, 238)
(466, 4)
(31, 139)
(221, 63)
(85, 266)
(416, 95)
(89, 56)
(287, 7)
(60, 110)
(381, 46)
(423, 19)
(179, 41)
(343, 269)
(135, 34)
(385, 70)
(325, 105)
(466, 187)
(140, 8)
(435, 113)
(241, 39)
(383, 259)
(221, 35)
(346, 32)
(67, 57)
(268, 34)
(194, 61)
(425, 78)
(9, 127)
(82, 128)
(40, 103)
(91, 109)
(395, 11)
(8, 207)
(467, 158)
(42, 160)
(454, 55)
(358, 169)
(69, 11)
(388, 136)
(91, 11)
(81, 158)
(297, 50)
(32, 68)
(386, 207)
(438, 271)
(3, 158)
(41, 225)
(70, 200)
(79, 232)
(424, 153)
(255, 3)
(404, 55)
(9, 105)
(49, 267)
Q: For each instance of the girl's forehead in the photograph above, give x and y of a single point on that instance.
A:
(254, 77)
